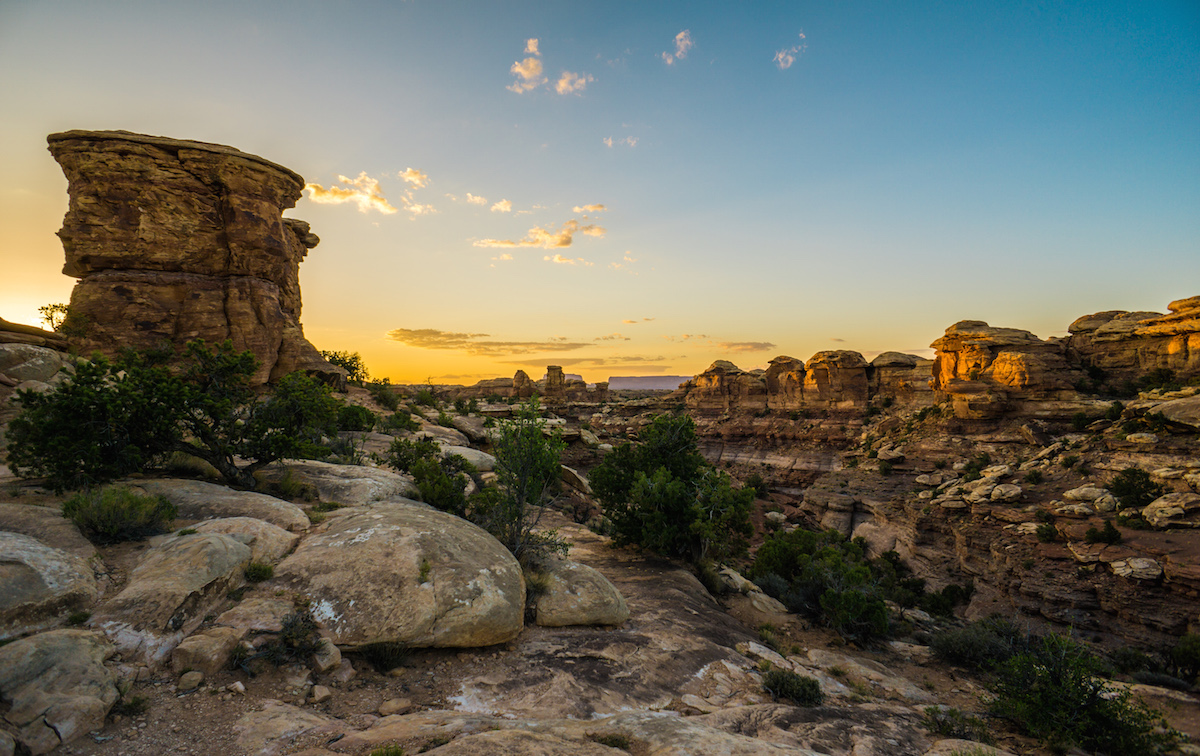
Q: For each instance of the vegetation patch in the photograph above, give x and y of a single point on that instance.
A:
(116, 513)
(799, 689)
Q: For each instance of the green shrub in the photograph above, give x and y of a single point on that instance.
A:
(1127, 660)
(1134, 489)
(885, 467)
(800, 690)
(612, 740)
(445, 420)
(1114, 411)
(388, 750)
(1184, 657)
(298, 639)
(1056, 692)
(1079, 421)
(953, 723)
(761, 488)
(351, 362)
(1069, 461)
(1162, 680)
(385, 656)
(1047, 533)
(116, 513)
(980, 645)
(1108, 534)
(352, 417)
(426, 397)
(384, 396)
(663, 496)
(400, 420)
(78, 618)
(1033, 477)
(257, 572)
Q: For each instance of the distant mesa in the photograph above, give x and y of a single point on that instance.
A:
(175, 240)
(646, 382)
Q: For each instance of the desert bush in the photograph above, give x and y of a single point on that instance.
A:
(426, 397)
(663, 496)
(1079, 421)
(385, 656)
(400, 420)
(1033, 477)
(1114, 411)
(257, 572)
(1161, 679)
(950, 722)
(1047, 533)
(352, 417)
(528, 471)
(1134, 489)
(1108, 534)
(115, 513)
(1056, 692)
(116, 418)
(980, 645)
(298, 638)
(351, 362)
(381, 392)
(54, 315)
(1127, 660)
(800, 690)
(1184, 657)
(762, 489)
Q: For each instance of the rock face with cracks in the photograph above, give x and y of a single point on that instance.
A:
(175, 240)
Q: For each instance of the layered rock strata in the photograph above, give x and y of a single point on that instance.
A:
(1127, 344)
(176, 240)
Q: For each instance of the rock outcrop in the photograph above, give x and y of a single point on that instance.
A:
(1125, 345)
(176, 240)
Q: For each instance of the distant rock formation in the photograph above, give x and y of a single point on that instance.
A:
(830, 380)
(1125, 345)
(176, 240)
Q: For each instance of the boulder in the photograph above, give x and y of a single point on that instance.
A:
(170, 591)
(268, 543)
(269, 732)
(47, 525)
(39, 584)
(1127, 345)
(444, 436)
(1137, 568)
(1085, 493)
(481, 461)
(57, 687)
(1184, 411)
(259, 614)
(436, 580)
(578, 595)
(1006, 492)
(207, 652)
(176, 240)
(1174, 510)
(352, 485)
(25, 362)
(197, 500)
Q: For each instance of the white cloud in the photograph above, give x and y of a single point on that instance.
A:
(683, 43)
(503, 206)
(529, 75)
(572, 83)
(471, 198)
(540, 237)
(589, 209)
(504, 256)
(414, 177)
(559, 259)
(786, 57)
(419, 209)
(531, 46)
(363, 191)
(629, 140)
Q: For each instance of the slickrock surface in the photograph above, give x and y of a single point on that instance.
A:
(177, 240)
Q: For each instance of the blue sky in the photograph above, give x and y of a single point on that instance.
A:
(776, 178)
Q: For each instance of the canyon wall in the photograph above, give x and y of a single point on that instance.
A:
(176, 240)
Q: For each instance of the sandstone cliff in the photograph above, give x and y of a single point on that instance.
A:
(1127, 344)
(175, 240)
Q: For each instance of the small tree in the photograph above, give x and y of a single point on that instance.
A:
(351, 362)
(528, 470)
(54, 315)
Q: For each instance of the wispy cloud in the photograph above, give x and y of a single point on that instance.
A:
(626, 261)
(560, 260)
(471, 198)
(589, 209)
(688, 337)
(745, 346)
(363, 191)
(834, 338)
(786, 57)
(503, 256)
(612, 337)
(414, 177)
(417, 208)
(478, 344)
(540, 237)
(503, 206)
(531, 47)
(572, 83)
(683, 43)
(629, 140)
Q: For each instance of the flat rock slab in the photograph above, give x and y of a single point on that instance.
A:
(197, 500)
(1183, 411)
(434, 579)
(350, 485)
(47, 525)
(58, 687)
(170, 591)
(269, 732)
(39, 584)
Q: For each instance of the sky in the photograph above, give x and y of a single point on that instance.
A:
(633, 188)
